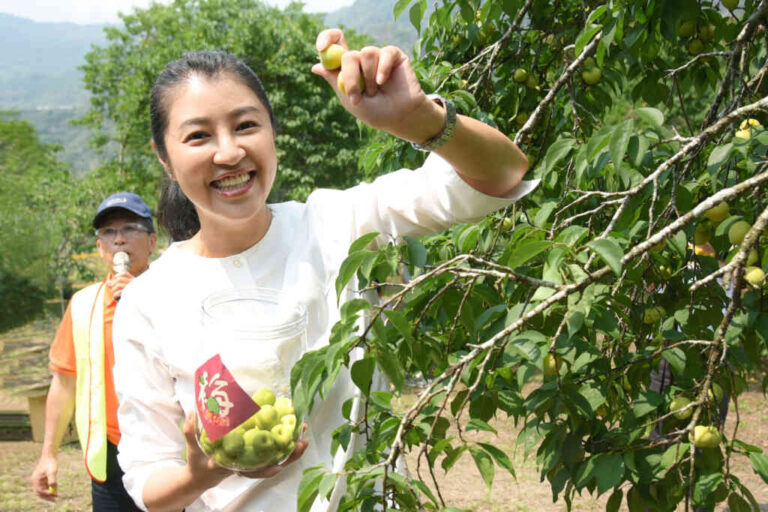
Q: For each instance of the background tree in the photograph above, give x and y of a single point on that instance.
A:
(640, 118)
(34, 194)
(275, 43)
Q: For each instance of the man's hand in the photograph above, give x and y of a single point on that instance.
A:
(118, 283)
(44, 478)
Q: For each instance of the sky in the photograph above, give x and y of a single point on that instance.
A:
(105, 11)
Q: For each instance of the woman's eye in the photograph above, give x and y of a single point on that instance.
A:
(195, 136)
(246, 125)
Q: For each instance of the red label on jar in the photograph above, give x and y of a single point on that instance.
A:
(221, 403)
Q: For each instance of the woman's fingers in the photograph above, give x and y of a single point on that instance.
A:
(389, 58)
(297, 453)
(328, 37)
(351, 75)
(369, 63)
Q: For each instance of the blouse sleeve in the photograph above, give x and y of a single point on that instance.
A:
(149, 414)
(413, 203)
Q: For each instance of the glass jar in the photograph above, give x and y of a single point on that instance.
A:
(245, 416)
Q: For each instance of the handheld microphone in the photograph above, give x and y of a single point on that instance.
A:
(121, 262)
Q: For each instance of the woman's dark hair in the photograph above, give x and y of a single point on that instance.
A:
(175, 211)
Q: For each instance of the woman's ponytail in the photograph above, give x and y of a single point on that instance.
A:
(176, 213)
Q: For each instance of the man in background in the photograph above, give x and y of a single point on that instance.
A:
(81, 358)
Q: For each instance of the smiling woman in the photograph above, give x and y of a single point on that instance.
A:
(214, 134)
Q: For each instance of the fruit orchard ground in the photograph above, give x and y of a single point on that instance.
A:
(463, 487)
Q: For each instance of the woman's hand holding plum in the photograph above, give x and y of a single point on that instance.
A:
(393, 100)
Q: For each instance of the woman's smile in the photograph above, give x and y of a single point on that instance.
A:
(234, 184)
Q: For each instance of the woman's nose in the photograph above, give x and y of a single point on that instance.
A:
(228, 152)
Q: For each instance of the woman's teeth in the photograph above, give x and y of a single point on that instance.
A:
(232, 182)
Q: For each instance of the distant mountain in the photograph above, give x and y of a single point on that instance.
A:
(39, 75)
(38, 62)
(376, 18)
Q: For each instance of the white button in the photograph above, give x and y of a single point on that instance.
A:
(237, 263)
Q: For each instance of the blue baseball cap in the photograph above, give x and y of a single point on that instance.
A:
(127, 201)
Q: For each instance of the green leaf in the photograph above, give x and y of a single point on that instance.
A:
(610, 251)
(361, 372)
(760, 465)
(586, 36)
(480, 425)
(452, 456)
(382, 399)
(501, 458)
(417, 254)
(614, 502)
(652, 116)
(400, 7)
(417, 13)
(676, 359)
(556, 152)
(348, 269)
(468, 238)
(484, 465)
(390, 365)
(362, 242)
(705, 487)
(308, 487)
(327, 484)
(647, 402)
(544, 212)
(620, 142)
(738, 504)
(398, 319)
(719, 156)
(609, 471)
(526, 251)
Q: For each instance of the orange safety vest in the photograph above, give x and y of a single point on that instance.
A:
(90, 395)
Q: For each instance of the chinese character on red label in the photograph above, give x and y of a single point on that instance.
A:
(221, 403)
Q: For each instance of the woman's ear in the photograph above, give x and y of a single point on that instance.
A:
(165, 164)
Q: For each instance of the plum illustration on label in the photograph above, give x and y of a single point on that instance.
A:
(222, 404)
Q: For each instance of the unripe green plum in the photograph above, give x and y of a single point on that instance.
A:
(730, 4)
(705, 436)
(591, 76)
(521, 118)
(550, 365)
(718, 213)
(715, 392)
(520, 75)
(738, 231)
(687, 29)
(652, 315)
(695, 47)
(232, 443)
(282, 435)
(267, 417)
(707, 33)
(331, 56)
(284, 406)
(680, 403)
(752, 258)
(343, 89)
(264, 396)
(754, 275)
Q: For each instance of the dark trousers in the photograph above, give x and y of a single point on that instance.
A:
(111, 496)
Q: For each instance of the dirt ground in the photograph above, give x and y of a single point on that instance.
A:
(462, 487)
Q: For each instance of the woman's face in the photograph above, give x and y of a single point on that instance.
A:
(220, 148)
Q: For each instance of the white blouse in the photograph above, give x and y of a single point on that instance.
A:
(157, 329)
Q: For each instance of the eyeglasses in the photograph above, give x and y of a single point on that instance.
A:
(128, 231)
